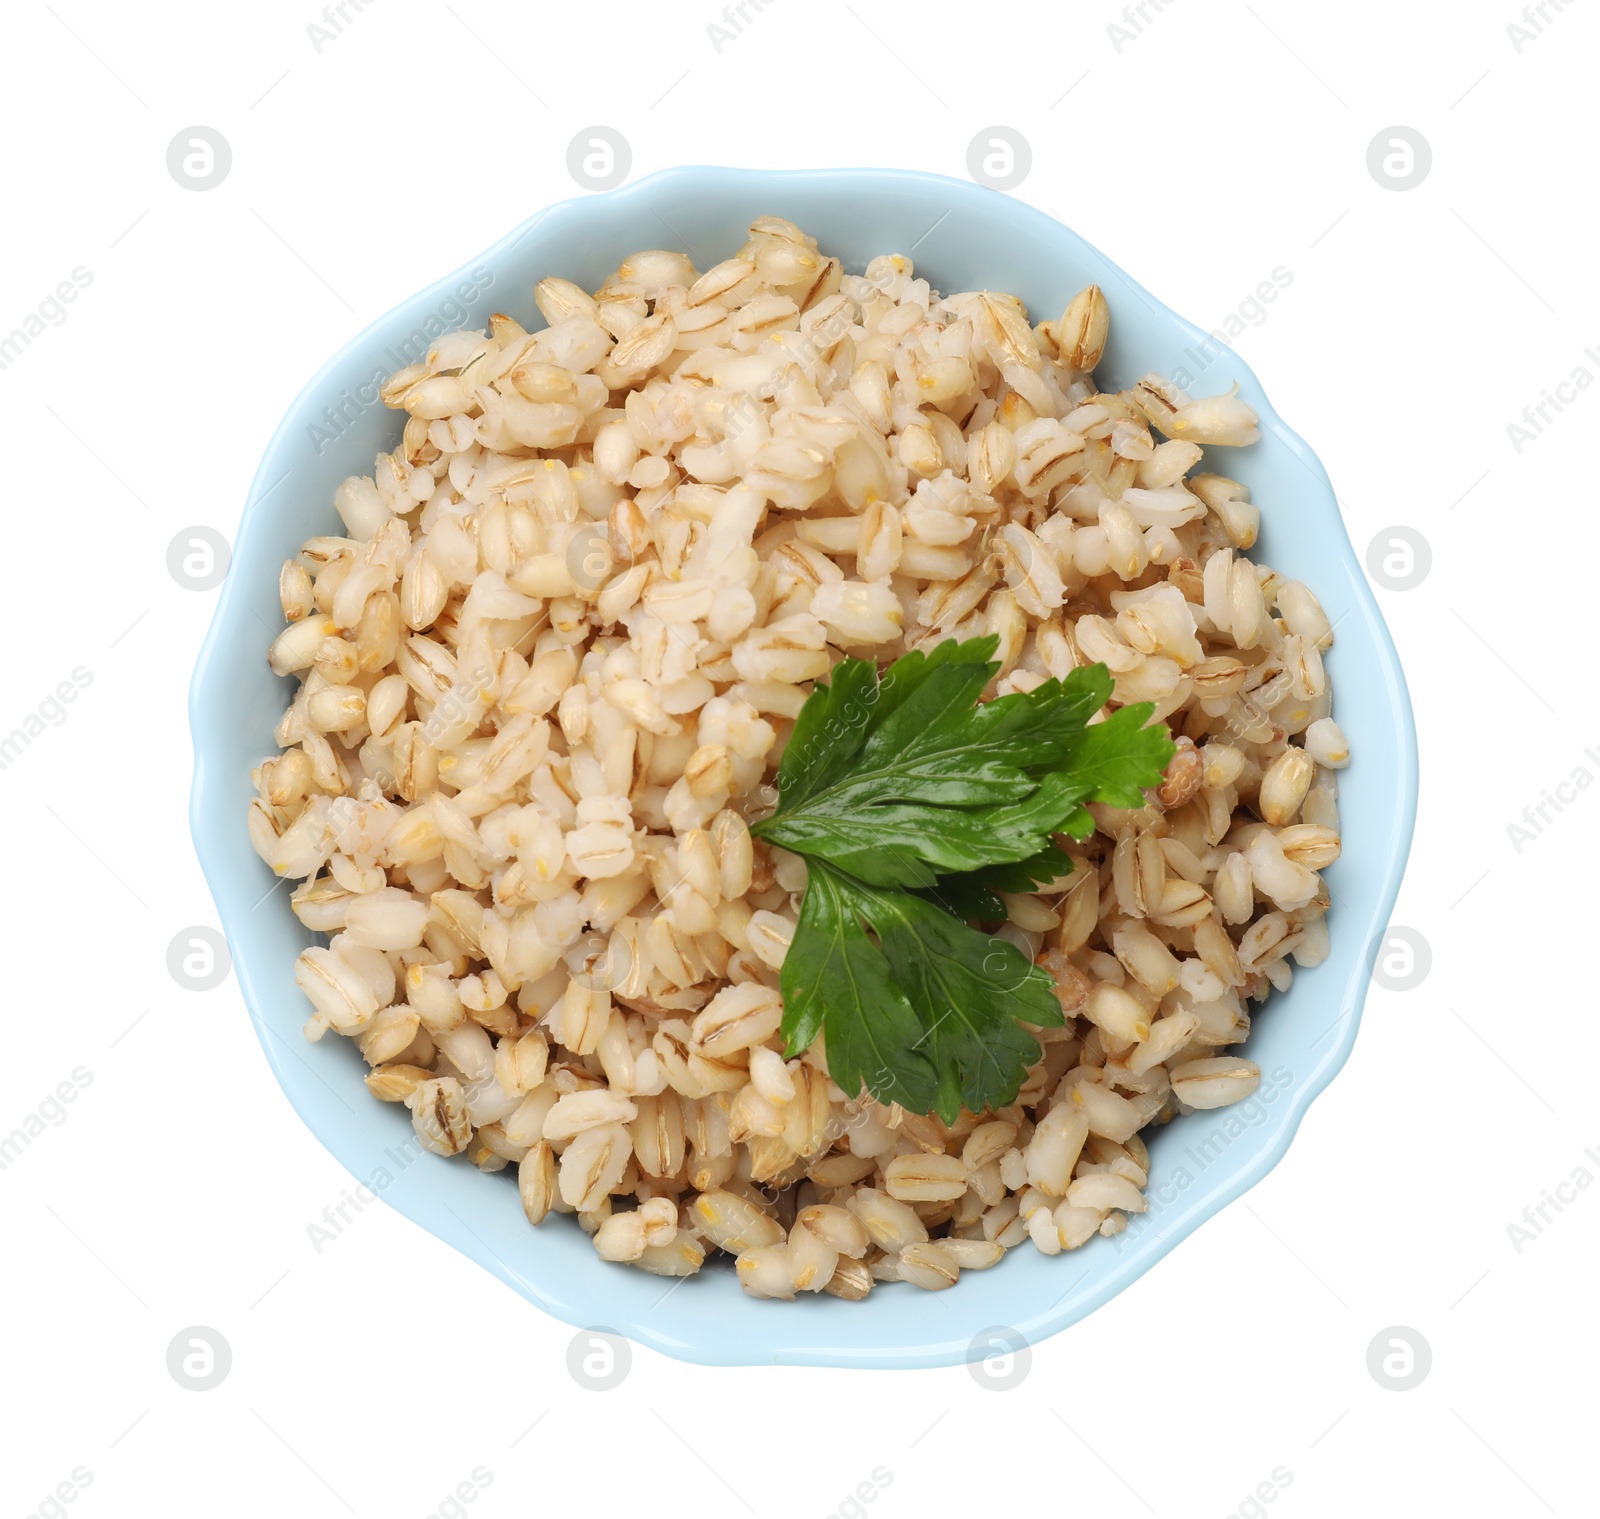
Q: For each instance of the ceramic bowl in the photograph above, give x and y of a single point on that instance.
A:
(961, 237)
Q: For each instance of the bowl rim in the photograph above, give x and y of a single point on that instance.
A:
(212, 665)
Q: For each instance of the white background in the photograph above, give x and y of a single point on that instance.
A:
(1220, 142)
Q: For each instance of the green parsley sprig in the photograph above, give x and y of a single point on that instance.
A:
(913, 804)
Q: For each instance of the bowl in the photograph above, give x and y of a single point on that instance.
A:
(961, 236)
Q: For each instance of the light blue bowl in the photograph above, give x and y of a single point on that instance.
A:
(961, 237)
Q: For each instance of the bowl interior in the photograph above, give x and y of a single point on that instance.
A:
(961, 237)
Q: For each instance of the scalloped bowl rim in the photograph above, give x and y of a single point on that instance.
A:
(707, 1319)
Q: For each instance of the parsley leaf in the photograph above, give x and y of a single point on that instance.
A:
(967, 898)
(1050, 864)
(969, 991)
(901, 780)
(838, 985)
(1113, 760)
(829, 732)
(927, 1015)
(914, 803)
